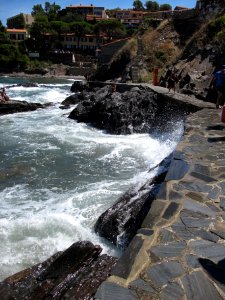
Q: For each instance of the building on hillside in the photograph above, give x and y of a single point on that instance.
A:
(180, 8)
(85, 10)
(17, 34)
(71, 42)
(130, 18)
(20, 21)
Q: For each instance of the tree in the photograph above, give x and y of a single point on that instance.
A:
(138, 5)
(70, 17)
(164, 7)
(51, 10)
(38, 30)
(152, 6)
(37, 9)
(111, 28)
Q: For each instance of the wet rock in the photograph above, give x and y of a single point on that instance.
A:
(121, 221)
(124, 109)
(75, 273)
(11, 107)
(78, 86)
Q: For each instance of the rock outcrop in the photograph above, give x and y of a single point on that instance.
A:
(13, 106)
(74, 274)
(126, 109)
(120, 222)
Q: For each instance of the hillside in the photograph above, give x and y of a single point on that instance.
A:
(193, 44)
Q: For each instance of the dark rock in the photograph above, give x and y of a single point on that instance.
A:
(120, 109)
(73, 99)
(13, 106)
(78, 86)
(119, 227)
(73, 274)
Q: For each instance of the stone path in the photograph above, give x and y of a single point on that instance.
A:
(179, 253)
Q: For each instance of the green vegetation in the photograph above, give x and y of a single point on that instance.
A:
(217, 27)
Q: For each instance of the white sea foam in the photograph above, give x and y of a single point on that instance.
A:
(58, 176)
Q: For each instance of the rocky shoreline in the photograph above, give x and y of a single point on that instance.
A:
(65, 274)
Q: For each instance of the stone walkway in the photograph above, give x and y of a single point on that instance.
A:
(179, 253)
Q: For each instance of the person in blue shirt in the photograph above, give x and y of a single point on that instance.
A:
(218, 82)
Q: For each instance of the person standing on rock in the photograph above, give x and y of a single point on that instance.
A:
(3, 96)
(218, 82)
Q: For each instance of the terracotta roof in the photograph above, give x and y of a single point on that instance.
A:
(81, 6)
(16, 30)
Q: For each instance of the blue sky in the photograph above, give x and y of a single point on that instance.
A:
(9, 8)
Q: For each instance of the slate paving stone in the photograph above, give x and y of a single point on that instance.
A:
(205, 235)
(197, 286)
(154, 213)
(145, 231)
(162, 194)
(142, 285)
(166, 236)
(206, 170)
(181, 231)
(126, 261)
(213, 207)
(194, 206)
(173, 291)
(220, 234)
(162, 273)
(214, 193)
(195, 196)
(177, 170)
(171, 210)
(195, 222)
(208, 249)
(175, 196)
(112, 291)
(173, 249)
(202, 177)
(193, 186)
(222, 185)
(192, 261)
(222, 204)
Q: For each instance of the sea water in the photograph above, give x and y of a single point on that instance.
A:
(58, 176)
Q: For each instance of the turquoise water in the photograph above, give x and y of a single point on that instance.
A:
(57, 176)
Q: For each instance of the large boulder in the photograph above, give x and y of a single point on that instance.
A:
(74, 274)
(12, 106)
(120, 222)
(132, 111)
